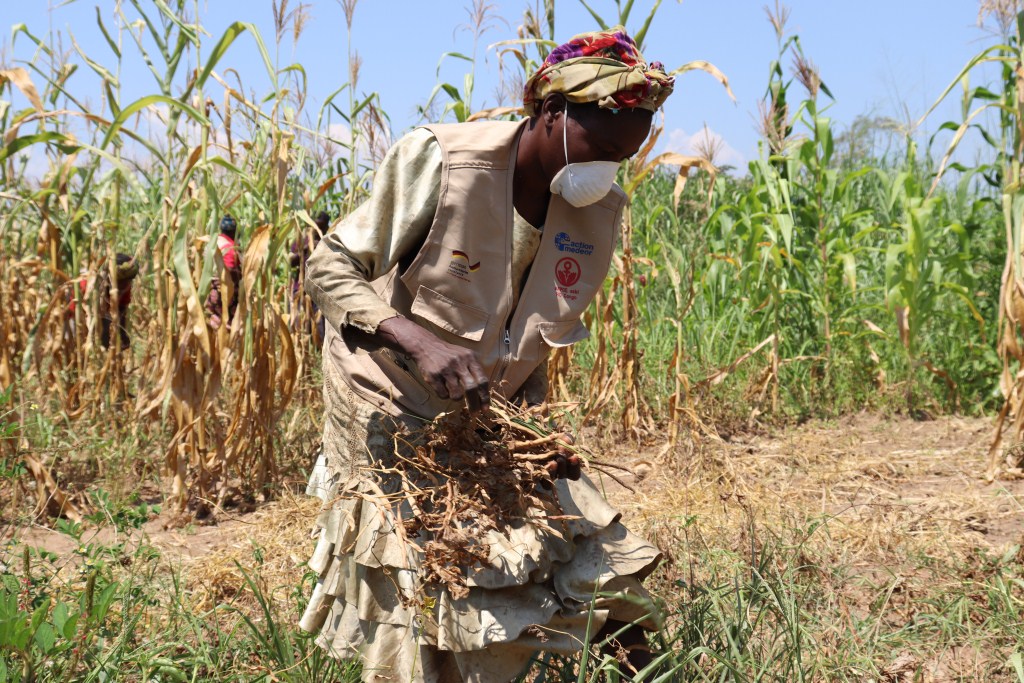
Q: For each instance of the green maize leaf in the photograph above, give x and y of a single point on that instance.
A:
(20, 143)
(142, 103)
(456, 55)
(100, 70)
(22, 28)
(362, 105)
(186, 29)
(640, 35)
(597, 17)
(106, 34)
(111, 98)
(785, 223)
(983, 57)
(850, 269)
(1016, 661)
(451, 91)
(227, 38)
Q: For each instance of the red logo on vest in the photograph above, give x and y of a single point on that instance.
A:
(567, 272)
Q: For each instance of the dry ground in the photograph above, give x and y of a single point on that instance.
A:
(882, 488)
(885, 484)
(889, 523)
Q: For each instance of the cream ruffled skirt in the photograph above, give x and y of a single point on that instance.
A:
(543, 584)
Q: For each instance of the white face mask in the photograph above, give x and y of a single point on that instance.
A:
(583, 183)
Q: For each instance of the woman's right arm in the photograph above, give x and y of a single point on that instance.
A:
(388, 227)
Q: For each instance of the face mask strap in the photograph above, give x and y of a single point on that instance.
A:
(565, 144)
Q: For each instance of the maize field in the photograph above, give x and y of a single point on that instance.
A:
(849, 270)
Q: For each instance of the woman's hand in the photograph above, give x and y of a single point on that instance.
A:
(452, 371)
(566, 464)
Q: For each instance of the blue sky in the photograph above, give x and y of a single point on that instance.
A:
(884, 58)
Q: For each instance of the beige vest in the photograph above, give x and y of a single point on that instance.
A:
(459, 284)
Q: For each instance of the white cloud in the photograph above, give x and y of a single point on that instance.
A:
(340, 132)
(693, 144)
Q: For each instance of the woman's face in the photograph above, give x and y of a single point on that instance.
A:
(596, 134)
(592, 134)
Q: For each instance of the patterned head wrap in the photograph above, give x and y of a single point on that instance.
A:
(604, 67)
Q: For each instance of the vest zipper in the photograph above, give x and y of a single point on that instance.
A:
(508, 352)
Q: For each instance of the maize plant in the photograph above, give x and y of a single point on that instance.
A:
(1005, 172)
(220, 391)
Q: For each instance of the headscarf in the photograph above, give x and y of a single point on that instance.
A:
(604, 67)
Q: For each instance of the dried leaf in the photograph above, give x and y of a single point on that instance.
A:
(708, 68)
(21, 80)
(719, 376)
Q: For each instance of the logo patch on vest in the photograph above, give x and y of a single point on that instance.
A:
(567, 274)
(460, 267)
(564, 243)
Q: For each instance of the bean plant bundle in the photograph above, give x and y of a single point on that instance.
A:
(463, 479)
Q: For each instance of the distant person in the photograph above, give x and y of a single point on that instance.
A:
(323, 224)
(126, 269)
(301, 248)
(233, 265)
(304, 245)
(228, 248)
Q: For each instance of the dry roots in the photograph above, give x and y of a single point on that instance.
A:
(464, 476)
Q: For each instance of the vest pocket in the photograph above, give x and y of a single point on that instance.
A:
(402, 377)
(450, 315)
(563, 333)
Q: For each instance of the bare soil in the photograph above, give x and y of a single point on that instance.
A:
(861, 470)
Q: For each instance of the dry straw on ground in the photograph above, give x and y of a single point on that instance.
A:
(869, 496)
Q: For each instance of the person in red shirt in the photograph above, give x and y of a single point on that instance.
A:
(126, 270)
(227, 247)
(233, 265)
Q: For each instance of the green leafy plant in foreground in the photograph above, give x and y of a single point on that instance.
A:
(124, 618)
(923, 274)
